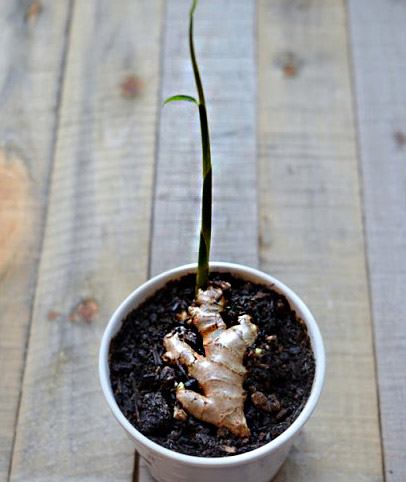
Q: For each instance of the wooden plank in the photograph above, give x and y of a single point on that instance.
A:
(311, 226)
(378, 45)
(225, 44)
(96, 242)
(225, 47)
(144, 475)
(32, 46)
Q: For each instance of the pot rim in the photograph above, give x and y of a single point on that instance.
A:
(145, 291)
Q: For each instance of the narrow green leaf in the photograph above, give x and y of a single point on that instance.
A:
(202, 275)
(193, 7)
(181, 98)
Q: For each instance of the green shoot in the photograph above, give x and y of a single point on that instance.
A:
(178, 98)
(202, 276)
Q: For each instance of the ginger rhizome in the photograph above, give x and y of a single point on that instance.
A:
(220, 373)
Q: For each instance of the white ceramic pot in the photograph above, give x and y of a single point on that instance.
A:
(258, 465)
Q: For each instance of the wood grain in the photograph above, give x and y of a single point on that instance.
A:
(225, 44)
(311, 226)
(226, 52)
(32, 45)
(96, 241)
(378, 45)
(144, 475)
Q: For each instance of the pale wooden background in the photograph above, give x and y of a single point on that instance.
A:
(99, 188)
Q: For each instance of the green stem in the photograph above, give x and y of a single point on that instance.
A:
(202, 276)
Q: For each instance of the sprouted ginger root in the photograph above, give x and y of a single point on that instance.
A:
(220, 373)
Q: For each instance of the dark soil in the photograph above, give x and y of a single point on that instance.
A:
(280, 368)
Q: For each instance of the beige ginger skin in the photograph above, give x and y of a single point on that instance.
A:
(220, 373)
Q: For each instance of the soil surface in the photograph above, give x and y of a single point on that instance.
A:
(280, 368)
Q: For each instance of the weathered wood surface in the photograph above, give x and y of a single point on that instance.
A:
(32, 50)
(81, 87)
(143, 473)
(225, 45)
(96, 241)
(379, 62)
(311, 225)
